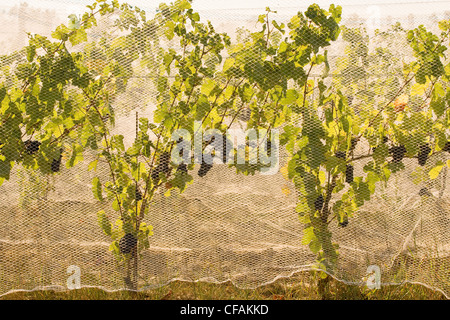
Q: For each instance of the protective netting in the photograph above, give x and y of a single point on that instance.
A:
(225, 226)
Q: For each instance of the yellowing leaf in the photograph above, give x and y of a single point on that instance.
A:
(119, 42)
(228, 64)
(285, 189)
(322, 177)
(284, 171)
(93, 165)
(434, 173)
(207, 87)
(308, 235)
(418, 89)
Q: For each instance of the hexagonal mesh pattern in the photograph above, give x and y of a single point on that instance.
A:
(227, 226)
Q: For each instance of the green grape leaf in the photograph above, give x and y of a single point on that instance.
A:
(97, 189)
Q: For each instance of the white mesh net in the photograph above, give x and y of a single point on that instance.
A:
(227, 226)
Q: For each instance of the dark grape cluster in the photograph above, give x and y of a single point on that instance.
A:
(162, 167)
(127, 243)
(226, 144)
(424, 151)
(398, 152)
(181, 143)
(269, 147)
(341, 155)
(204, 168)
(182, 168)
(349, 100)
(31, 146)
(344, 222)
(353, 143)
(245, 114)
(447, 147)
(138, 194)
(318, 204)
(349, 173)
(384, 140)
(56, 163)
(164, 161)
(425, 192)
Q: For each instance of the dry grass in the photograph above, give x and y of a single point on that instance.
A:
(301, 287)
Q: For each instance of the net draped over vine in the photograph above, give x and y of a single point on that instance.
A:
(227, 226)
